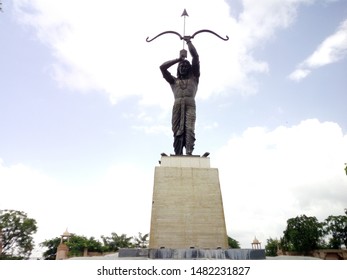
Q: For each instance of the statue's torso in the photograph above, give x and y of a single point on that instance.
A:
(185, 89)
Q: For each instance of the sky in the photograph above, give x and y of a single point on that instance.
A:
(85, 112)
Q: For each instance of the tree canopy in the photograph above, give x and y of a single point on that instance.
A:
(141, 241)
(232, 243)
(77, 244)
(271, 247)
(52, 246)
(303, 234)
(114, 242)
(336, 226)
(16, 232)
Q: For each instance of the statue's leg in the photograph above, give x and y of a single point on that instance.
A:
(190, 128)
(178, 129)
(179, 144)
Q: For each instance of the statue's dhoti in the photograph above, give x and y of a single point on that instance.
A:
(183, 125)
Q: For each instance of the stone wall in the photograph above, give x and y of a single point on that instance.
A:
(330, 254)
(324, 254)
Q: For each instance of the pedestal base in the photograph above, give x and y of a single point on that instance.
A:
(192, 254)
(187, 207)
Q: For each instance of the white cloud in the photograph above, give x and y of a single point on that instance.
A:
(331, 50)
(260, 19)
(155, 129)
(211, 126)
(32, 191)
(268, 177)
(102, 46)
(119, 201)
(299, 74)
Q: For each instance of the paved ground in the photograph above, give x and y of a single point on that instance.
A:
(115, 257)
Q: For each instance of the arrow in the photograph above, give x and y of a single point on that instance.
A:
(184, 15)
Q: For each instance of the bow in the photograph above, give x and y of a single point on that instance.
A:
(188, 37)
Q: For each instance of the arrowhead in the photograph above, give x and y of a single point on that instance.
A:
(184, 13)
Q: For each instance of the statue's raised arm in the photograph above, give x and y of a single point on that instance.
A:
(195, 58)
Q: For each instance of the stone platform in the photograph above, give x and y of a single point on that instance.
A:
(187, 206)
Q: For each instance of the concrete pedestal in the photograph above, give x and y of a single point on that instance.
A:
(187, 206)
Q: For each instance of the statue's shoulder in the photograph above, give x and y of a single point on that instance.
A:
(194, 78)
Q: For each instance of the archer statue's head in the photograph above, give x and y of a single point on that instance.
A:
(183, 69)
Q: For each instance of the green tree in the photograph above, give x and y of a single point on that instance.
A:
(52, 246)
(336, 226)
(16, 231)
(141, 241)
(115, 242)
(232, 243)
(271, 247)
(303, 234)
(77, 244)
